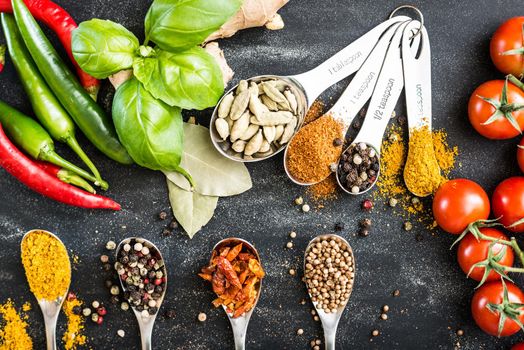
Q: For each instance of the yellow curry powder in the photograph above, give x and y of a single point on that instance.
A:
(13, 332)
(422, 172)
(73, 337)
(46, 265)
(391, 181)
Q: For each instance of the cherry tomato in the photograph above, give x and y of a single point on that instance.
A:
(480, 111)
(509, 36)
(493, 293)
(508, 202)
(520, 155)
(459, 202)
(518, 346)
(472, 251)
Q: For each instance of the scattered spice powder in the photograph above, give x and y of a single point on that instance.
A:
(73, 337)
(324, 190)
(13, 333)
(311, 152)
(46, 265)
(422, 172)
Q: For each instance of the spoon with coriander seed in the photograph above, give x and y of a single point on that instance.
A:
(329, 265)
(48, 271)
(142, 274)
(235, 263)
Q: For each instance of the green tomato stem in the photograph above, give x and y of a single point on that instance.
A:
(515, 81)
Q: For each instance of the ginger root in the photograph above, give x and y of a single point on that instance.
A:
(253, 13)
(213, 49)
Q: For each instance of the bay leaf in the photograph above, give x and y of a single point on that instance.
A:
(213, 174)
(191, 209)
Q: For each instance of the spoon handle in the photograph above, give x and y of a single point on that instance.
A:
(50, 332)
(239, 326)
(146, 332)
(329, 338)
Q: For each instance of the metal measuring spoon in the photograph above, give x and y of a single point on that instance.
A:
(145, 323)
(330, 320)
(385, 97)
(356, 94)
(417, 78)
(239, 324)
(308, 86)
(50, 308)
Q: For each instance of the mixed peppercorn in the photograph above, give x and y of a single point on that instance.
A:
(143, 275)
(358, 168)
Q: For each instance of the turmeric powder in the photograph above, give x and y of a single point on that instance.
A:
(422, 172)
(73, 337)
(46, 265)
(13, 333)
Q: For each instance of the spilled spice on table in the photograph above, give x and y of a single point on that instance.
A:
(323, 191)
(13, 331)
(391, 182)
(313, 149)
(73, 337)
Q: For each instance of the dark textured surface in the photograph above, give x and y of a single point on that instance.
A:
(435, 296)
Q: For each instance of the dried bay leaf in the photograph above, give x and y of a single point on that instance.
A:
(213, 174)
(192, 210)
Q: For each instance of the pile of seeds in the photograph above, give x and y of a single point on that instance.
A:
(358, 168)
(257, 119)
(143, 274)
(329, 272)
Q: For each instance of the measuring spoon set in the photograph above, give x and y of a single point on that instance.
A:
(393, 56)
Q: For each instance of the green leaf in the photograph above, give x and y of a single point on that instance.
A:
(213, 174)
(191, 79)
(177, 25)
(150, 130)
(102, 48)
(191, 209)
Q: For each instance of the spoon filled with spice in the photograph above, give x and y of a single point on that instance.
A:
(329, 274)
(48, 271)
(422, 174)
(236, 274)
(359, 165)
(314, 151)
(143, 276)
(257, 118)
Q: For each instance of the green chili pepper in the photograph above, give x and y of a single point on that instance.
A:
(33, 139)
(89, 116)
(45, 105)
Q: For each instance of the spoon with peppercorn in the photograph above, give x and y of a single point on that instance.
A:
(329, 274)
(34, 264)
(239, 323)
(143, 278)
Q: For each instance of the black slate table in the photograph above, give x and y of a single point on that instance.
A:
(435, 296)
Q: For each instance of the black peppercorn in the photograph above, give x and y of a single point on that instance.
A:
(153, 310)
(337, 142)
(115, 299)
(124, 259)
(108, 267)
(364, 232)
(170, 314)
(77, 310)
(365, 223)
(162, 215)
(166, 232)
(339, 226)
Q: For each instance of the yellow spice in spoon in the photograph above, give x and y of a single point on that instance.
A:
(46, 265)
(422, 172)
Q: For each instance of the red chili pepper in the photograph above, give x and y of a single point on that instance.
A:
(227, 270)
(61, 22)
(29, 173)
(2, 57)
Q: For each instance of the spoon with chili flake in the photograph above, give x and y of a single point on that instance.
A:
(239, 324)
(330, 320)
(50, 309)
(145, 322)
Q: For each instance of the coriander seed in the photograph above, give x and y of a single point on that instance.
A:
(110, 245)
(393, 202)
(300, 331)
(299, 201)
(385, 308)
(375, 332)
(408, 226)
(162, 215)
(292, 272)
(202, 317)
(460, 332)
(306, 208)
(104, 259)
(121, 333)
(289, 245)
(95, 304)
(384, 317)
(293, 234)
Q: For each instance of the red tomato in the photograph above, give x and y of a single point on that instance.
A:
(508, 202)
(518, 346)
(520, 155)
(493, 293)
(472, 251)
(459, 202)
(480, 111)
(509, 36)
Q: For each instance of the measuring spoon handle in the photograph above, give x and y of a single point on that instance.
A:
(344, 63)
(362, 85)
(385, 96)
(417, 78)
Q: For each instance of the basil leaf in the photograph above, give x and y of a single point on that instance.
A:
(177, 25)
(191, 79)
(150, 130)
(102, 48)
